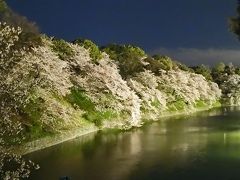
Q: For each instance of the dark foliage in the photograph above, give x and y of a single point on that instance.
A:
(234, 22)
(94, 51)
(129, 58)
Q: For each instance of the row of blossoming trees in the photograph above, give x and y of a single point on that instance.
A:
(15, 86)
(227, 77)
(52, 86)
(49, 86)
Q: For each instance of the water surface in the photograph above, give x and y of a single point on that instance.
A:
(204, 146)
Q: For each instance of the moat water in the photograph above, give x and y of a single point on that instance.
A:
(203, 146)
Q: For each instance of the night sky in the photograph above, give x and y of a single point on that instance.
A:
(192, 31)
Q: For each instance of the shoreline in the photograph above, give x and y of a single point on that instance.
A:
(56, 139)
(49, 141)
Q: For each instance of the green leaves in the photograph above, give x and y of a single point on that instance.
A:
(128, 56)
(204, 70)
(94, 51)
(62, 49)
(3, 6)
(234, 23)
(80, 99)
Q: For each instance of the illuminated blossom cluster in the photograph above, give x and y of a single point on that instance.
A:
(15, 85)
(188, 86)
(145, 84)
(102, 81)
(156, 92)
(231, 90)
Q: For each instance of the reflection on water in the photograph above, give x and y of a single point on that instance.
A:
(202, 146)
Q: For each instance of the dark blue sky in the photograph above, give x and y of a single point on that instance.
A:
(150, 24)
